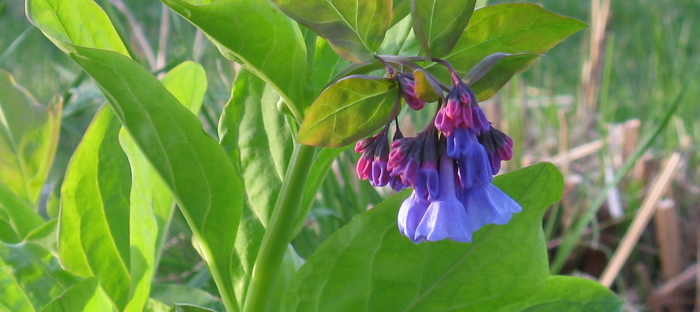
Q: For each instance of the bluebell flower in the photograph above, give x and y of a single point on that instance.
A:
(410, 214)
(445, 217)
(372, 165)
(499, 147)
(487, 204)
(407, 85)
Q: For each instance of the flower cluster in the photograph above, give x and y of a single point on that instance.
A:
(450, 166)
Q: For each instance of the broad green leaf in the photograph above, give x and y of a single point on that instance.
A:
(508, 28)
(30, 277)
(189, 308)
(402, 8)
(348, 110)
(94, 221)
(369, 266)
(17, 216)
(76, 22)
(83, 296)
(170, 294)
(28, 139)
(193, 165)
(258, 140)
(326, 65)
(274, 51)
(439, 23)
(257, 137)
(151, 202)
(569, 294)
(400, 39)
(355, 28)
(484, 66)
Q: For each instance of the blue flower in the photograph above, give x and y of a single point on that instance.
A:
(445, 217)
(410, 214)
(487, 204)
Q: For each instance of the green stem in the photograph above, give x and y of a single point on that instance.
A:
(279, 230)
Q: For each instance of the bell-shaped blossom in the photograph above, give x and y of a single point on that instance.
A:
(445, 217)
(487, 204)
(410, 214)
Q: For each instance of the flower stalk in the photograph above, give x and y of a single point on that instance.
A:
(279, 231)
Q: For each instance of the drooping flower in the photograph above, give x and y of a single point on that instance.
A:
(487, 204)
(445, 217)
(372, 164)
(499, 147)
(461, 110)
(407, 85)
(410, 214)
(414, 160)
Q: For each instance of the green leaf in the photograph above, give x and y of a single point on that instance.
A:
(400, 39)
(569, 294)
(326, 65)
(369, 266)
(156, 306)
(151, 202)
(28, 139)
(257, 137)
(439, 23)
(348, 110)
(46, 236)
(94, 221)
(509, 28)
(274, 51)
(170, 294)
(484, 66)
(354, 28)
(30, 277)
(17, 216)
(193, 165)
(83, 296)
(76, 22)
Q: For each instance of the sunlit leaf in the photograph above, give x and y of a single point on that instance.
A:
(369, 266)
(193, 165)
(354, 28)
(28, 139)
(189, 308)
(508, 28)
(30, 277)
(83, 296)
(17, 216)
(77, 22)
(348, 110)
(275, 50)
(439, 23)
(95, 209)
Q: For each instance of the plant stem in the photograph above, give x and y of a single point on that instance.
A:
(279, 230)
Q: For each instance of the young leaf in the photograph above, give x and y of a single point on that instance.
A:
(30, 277)
(17, 217)
(484, 66)
(274, 51)
(348, 110)
(439, 23)
(508, 28)
(368, 265)
(355, 28)
(28, 139)
(94, 220)
(400, 39)
(83, 296)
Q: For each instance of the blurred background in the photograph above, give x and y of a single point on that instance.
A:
(605, 106)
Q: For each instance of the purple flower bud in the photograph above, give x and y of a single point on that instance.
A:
(499, 147)
(372, 165)
(407, 84)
